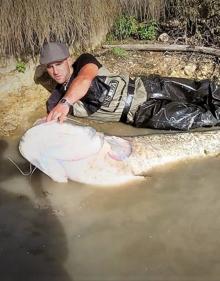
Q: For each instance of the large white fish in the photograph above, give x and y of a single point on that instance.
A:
(68, 151)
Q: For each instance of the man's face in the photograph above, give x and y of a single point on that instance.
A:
(59, 70)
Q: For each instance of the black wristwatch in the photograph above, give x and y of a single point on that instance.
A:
(65, 101)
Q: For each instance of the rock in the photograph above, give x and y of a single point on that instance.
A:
(164, 37)
(205, 70)
(177, 73)
(190, 69)
(10, 126)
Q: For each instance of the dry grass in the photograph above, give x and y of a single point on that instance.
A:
(26, 24)
(143, 9)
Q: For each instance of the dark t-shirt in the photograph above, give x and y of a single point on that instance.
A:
(82, 61)
(59, 91)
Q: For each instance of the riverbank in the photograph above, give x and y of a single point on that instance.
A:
(23, 101)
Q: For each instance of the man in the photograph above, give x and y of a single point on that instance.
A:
(85, 90)
(73, 81)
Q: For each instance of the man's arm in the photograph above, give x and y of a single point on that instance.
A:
(77, 89)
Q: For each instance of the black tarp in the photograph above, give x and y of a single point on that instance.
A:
(178, 103)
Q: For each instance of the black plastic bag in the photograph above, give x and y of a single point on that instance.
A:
(178, 103)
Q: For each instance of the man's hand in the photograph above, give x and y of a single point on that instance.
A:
(59, 112)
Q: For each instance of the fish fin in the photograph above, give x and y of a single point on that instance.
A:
(120, 148)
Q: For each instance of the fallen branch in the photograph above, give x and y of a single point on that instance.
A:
(166, 47)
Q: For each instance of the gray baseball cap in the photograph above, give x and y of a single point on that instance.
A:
(53, 51)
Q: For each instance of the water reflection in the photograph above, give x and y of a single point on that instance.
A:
(166, 228)
(32, 240)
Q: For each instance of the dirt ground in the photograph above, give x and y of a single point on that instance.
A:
(19, 109)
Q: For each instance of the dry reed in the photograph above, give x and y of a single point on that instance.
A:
(143, 9)
(26, 24)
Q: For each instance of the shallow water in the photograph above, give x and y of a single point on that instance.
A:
(165, 228)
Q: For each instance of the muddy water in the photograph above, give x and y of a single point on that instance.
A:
(165, 228)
